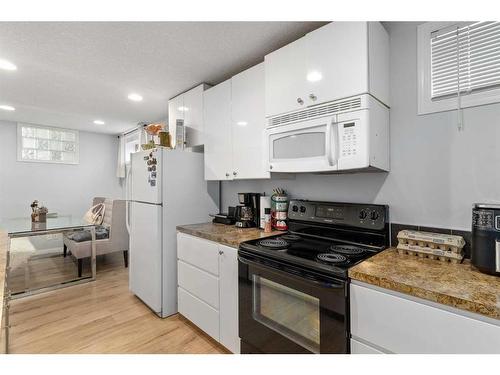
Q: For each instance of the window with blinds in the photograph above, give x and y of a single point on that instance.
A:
(45, 144)
(465, 59)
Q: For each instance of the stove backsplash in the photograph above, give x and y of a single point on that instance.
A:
(396, 227)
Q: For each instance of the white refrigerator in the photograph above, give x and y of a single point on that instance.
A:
(165, 188)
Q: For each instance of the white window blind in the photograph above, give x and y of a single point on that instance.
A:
(45, 144)
(465, 58)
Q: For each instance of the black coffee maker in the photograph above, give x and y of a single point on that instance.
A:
(248, 212)
(485, 246)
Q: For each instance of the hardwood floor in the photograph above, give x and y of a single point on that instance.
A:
(100, 317)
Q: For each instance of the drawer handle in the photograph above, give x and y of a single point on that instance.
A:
(221, 252)
(313, 97)
(300, 101)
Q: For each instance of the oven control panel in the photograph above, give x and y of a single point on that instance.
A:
(367, 216)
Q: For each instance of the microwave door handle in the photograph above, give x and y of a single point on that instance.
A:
(332, 130)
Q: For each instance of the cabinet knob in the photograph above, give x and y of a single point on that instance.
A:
(221, 252)
(227, 174)
(271, 166)
(300, 101)
(313, 97)
(235, 173)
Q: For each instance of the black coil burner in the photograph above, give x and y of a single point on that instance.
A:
(332, 258)
(273, 243)
(291, 237)
(347, 250)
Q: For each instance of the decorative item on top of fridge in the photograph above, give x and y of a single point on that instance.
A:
(156, 135)
(279, 209)
(38, 214)
(151, 165)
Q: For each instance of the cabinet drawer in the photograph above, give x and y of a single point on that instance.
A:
(199, 283)
(198, 252)
(402, 325)
(360, 348)
(198, 312)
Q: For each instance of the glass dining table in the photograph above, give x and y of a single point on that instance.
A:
(35, 260)
(32, 267)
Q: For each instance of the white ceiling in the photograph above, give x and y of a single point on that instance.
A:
(70, 74)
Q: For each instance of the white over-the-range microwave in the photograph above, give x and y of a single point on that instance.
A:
(346, 135)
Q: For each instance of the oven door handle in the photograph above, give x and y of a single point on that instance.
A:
(331, 284)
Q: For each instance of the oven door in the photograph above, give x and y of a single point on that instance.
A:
(308, 146)
(284, 310)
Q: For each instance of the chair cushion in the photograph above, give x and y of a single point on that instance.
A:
(101, 233)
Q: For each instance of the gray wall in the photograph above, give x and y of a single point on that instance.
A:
(436, 172)
(63, 188)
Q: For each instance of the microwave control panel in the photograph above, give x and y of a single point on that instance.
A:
(349, 138)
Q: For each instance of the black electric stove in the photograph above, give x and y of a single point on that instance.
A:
(293, 287)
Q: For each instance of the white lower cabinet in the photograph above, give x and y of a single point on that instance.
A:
(396, 323)
(199, 312)
(228, 311)
(208, 288)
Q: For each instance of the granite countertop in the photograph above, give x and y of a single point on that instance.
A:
(224, 234)
(457, 285)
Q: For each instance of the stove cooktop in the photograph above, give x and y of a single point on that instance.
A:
(324, 255)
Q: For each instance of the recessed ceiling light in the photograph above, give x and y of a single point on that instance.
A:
(183, 109)
(314, 76)
(135, 97)
(7, 65)
(99, 122)
(7, 108)
(242, 123)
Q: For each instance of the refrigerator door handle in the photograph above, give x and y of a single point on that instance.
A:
(127, 198)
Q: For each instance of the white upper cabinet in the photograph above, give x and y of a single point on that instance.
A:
(217, 132)
(248, 124)
(175, 113)
(285, 84)
(234, 120)
(193, 115)
(338, 60)
(188, 107)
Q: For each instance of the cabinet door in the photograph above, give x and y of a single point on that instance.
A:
(228, 310)
(175, 112)
(248, 123)
(200, 313)
(217, 120)
(285, 78)
(198, 252)
(193, 115)
(337, 62)
(401, 325)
